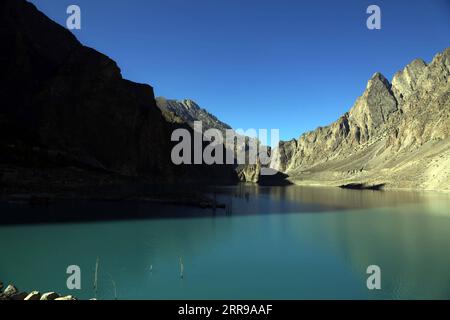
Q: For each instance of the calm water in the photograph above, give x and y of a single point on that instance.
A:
(273, 243)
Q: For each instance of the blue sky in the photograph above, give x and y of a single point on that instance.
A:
(288, 64)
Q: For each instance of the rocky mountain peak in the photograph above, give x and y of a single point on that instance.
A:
(378, 82)
(396, 135)
(378, 77)
(374, 107)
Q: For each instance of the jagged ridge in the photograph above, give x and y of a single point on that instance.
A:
(61, 99)
(396, 134)
(189, 111)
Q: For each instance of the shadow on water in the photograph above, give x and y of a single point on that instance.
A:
(248, 255)
(363, 186)
(276, 179)
(243, 199)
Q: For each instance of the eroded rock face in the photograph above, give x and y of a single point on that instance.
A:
(405, 81)
(281, 156)
(373, 109)
(386, 137)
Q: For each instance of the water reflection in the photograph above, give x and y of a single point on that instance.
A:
(409, 245)
(317, 199)
(322, 253)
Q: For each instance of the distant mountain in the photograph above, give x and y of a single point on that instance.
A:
(396, 134)
(189, 111)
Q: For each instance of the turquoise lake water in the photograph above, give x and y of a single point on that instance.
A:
(273, 243)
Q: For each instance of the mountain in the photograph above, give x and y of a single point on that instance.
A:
(396, 135)
(65, 105)
(189, 111)
(68, 116)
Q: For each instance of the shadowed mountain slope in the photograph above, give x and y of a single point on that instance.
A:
(64, 104)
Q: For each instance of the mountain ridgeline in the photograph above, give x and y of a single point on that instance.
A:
(65, 105)
(66, 109)
(396, 135)
(188, 111)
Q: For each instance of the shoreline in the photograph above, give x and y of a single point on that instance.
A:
(12, 293)
(335, 184)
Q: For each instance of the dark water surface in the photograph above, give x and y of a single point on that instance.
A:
(270, 243)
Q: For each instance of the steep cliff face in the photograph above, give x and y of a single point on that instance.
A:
(60, 95)
(396, 134)
(365, 121)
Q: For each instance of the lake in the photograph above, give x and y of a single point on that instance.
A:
(271, 243)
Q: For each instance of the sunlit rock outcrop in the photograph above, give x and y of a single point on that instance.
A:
(395, 134)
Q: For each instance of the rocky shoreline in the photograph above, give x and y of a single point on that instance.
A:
(357, 185)
(11, 293)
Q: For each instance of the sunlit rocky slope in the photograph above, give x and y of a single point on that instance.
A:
(68, 118)
(396, 134)
(189, 111)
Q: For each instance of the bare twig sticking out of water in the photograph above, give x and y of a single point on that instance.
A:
(114, 286)
(96, 277)
(181, 268)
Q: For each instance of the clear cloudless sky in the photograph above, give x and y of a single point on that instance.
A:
(288, 64)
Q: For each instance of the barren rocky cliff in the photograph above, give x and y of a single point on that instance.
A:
(397, 134)
(68, 117)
